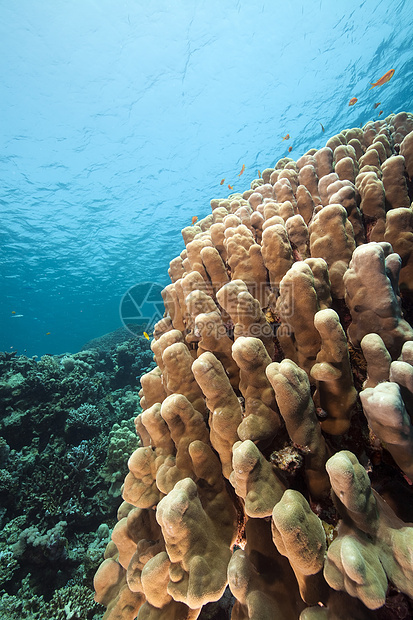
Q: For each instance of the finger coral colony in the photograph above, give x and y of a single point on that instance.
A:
(276, 436)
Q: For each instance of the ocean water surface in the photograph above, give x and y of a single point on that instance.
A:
(119, 120)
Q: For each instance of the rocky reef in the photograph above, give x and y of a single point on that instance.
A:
(66, 433)
(274, 475)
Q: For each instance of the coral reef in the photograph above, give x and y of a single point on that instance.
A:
(66, 433)
(276, 433)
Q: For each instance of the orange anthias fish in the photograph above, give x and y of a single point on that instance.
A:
(290, 148)
(287, 137)
(384, 78)
(353, 100)
(259, 174)
(222, 181)
(381, 112)
(230, 186)
(376, 105)
(194, 219)
(242, 169)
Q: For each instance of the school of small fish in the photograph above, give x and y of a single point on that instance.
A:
(384, 78)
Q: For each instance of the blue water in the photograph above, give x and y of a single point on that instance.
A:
(119, 119)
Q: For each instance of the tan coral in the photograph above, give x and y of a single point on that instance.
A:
(184, 425)
(276, 252)
(298, 235)
(324, 161)
(372, 204)
(370, 160)
(389, 420)
(292, 391)
(309, 179)
(305, 203)
(255, 480)
(261, 418)
(346, 194)
(198, 553)
(152, 388)
(217, 232)
(394, 181)
(215, 267)
(299, 535)
(401, 124)
(176, 269)
(346, 169)
(378, 360)
(140, 487)
(163, 342)
(332, 238)
(297, 305)
(399, 233)
(193, 248)
(246, 314)
(213, 335)
(261, 579)
(406, 150)
(323, 187)
(178, 377)
(373, 545)
(172, 306)
(113, 592)
(321, 281)
(222, 311)
(144, 533)
(225, 410)
(283, 190)
(246, 262)
(371, 295)
(336, 393)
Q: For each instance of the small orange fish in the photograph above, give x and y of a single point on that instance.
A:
(230, 186)
(353, 100)
(146, 335)
(290, 148)
(194, 219)
(384, 78)
(286, 137)
(47, 333)
(13, 311)
(259, 174)
(242, 169)
(381, 112)
(376, 105)
(222, 181)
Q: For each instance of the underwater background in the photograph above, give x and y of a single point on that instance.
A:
(119, 120)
